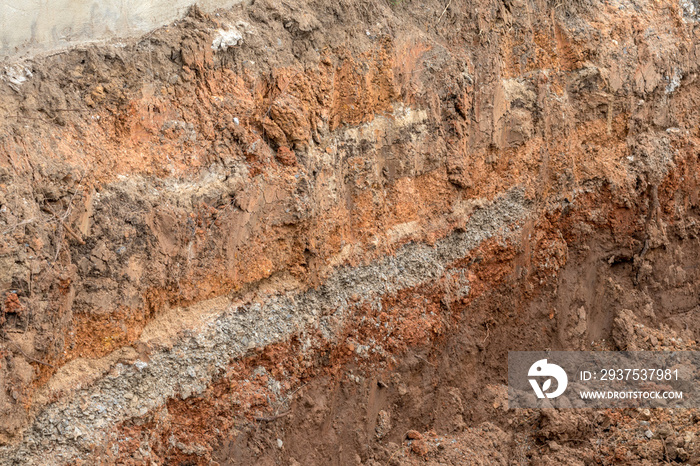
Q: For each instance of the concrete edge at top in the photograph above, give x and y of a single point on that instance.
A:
(33, 27)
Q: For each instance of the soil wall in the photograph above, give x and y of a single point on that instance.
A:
(306, 232)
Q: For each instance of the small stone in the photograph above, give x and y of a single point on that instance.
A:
(648, 434)
(280, 443)
(414, 435)
(665, 431)
(554, 446)
(140, 365)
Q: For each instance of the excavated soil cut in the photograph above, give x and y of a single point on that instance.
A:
(309, 232)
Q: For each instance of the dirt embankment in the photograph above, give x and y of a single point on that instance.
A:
(295, 231)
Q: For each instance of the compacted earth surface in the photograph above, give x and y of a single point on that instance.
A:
(309, 232)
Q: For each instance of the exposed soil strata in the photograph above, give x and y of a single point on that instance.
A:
(208, 246)
(347, 401)
(186, 367)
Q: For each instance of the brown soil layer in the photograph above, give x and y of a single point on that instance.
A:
(421, 186)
